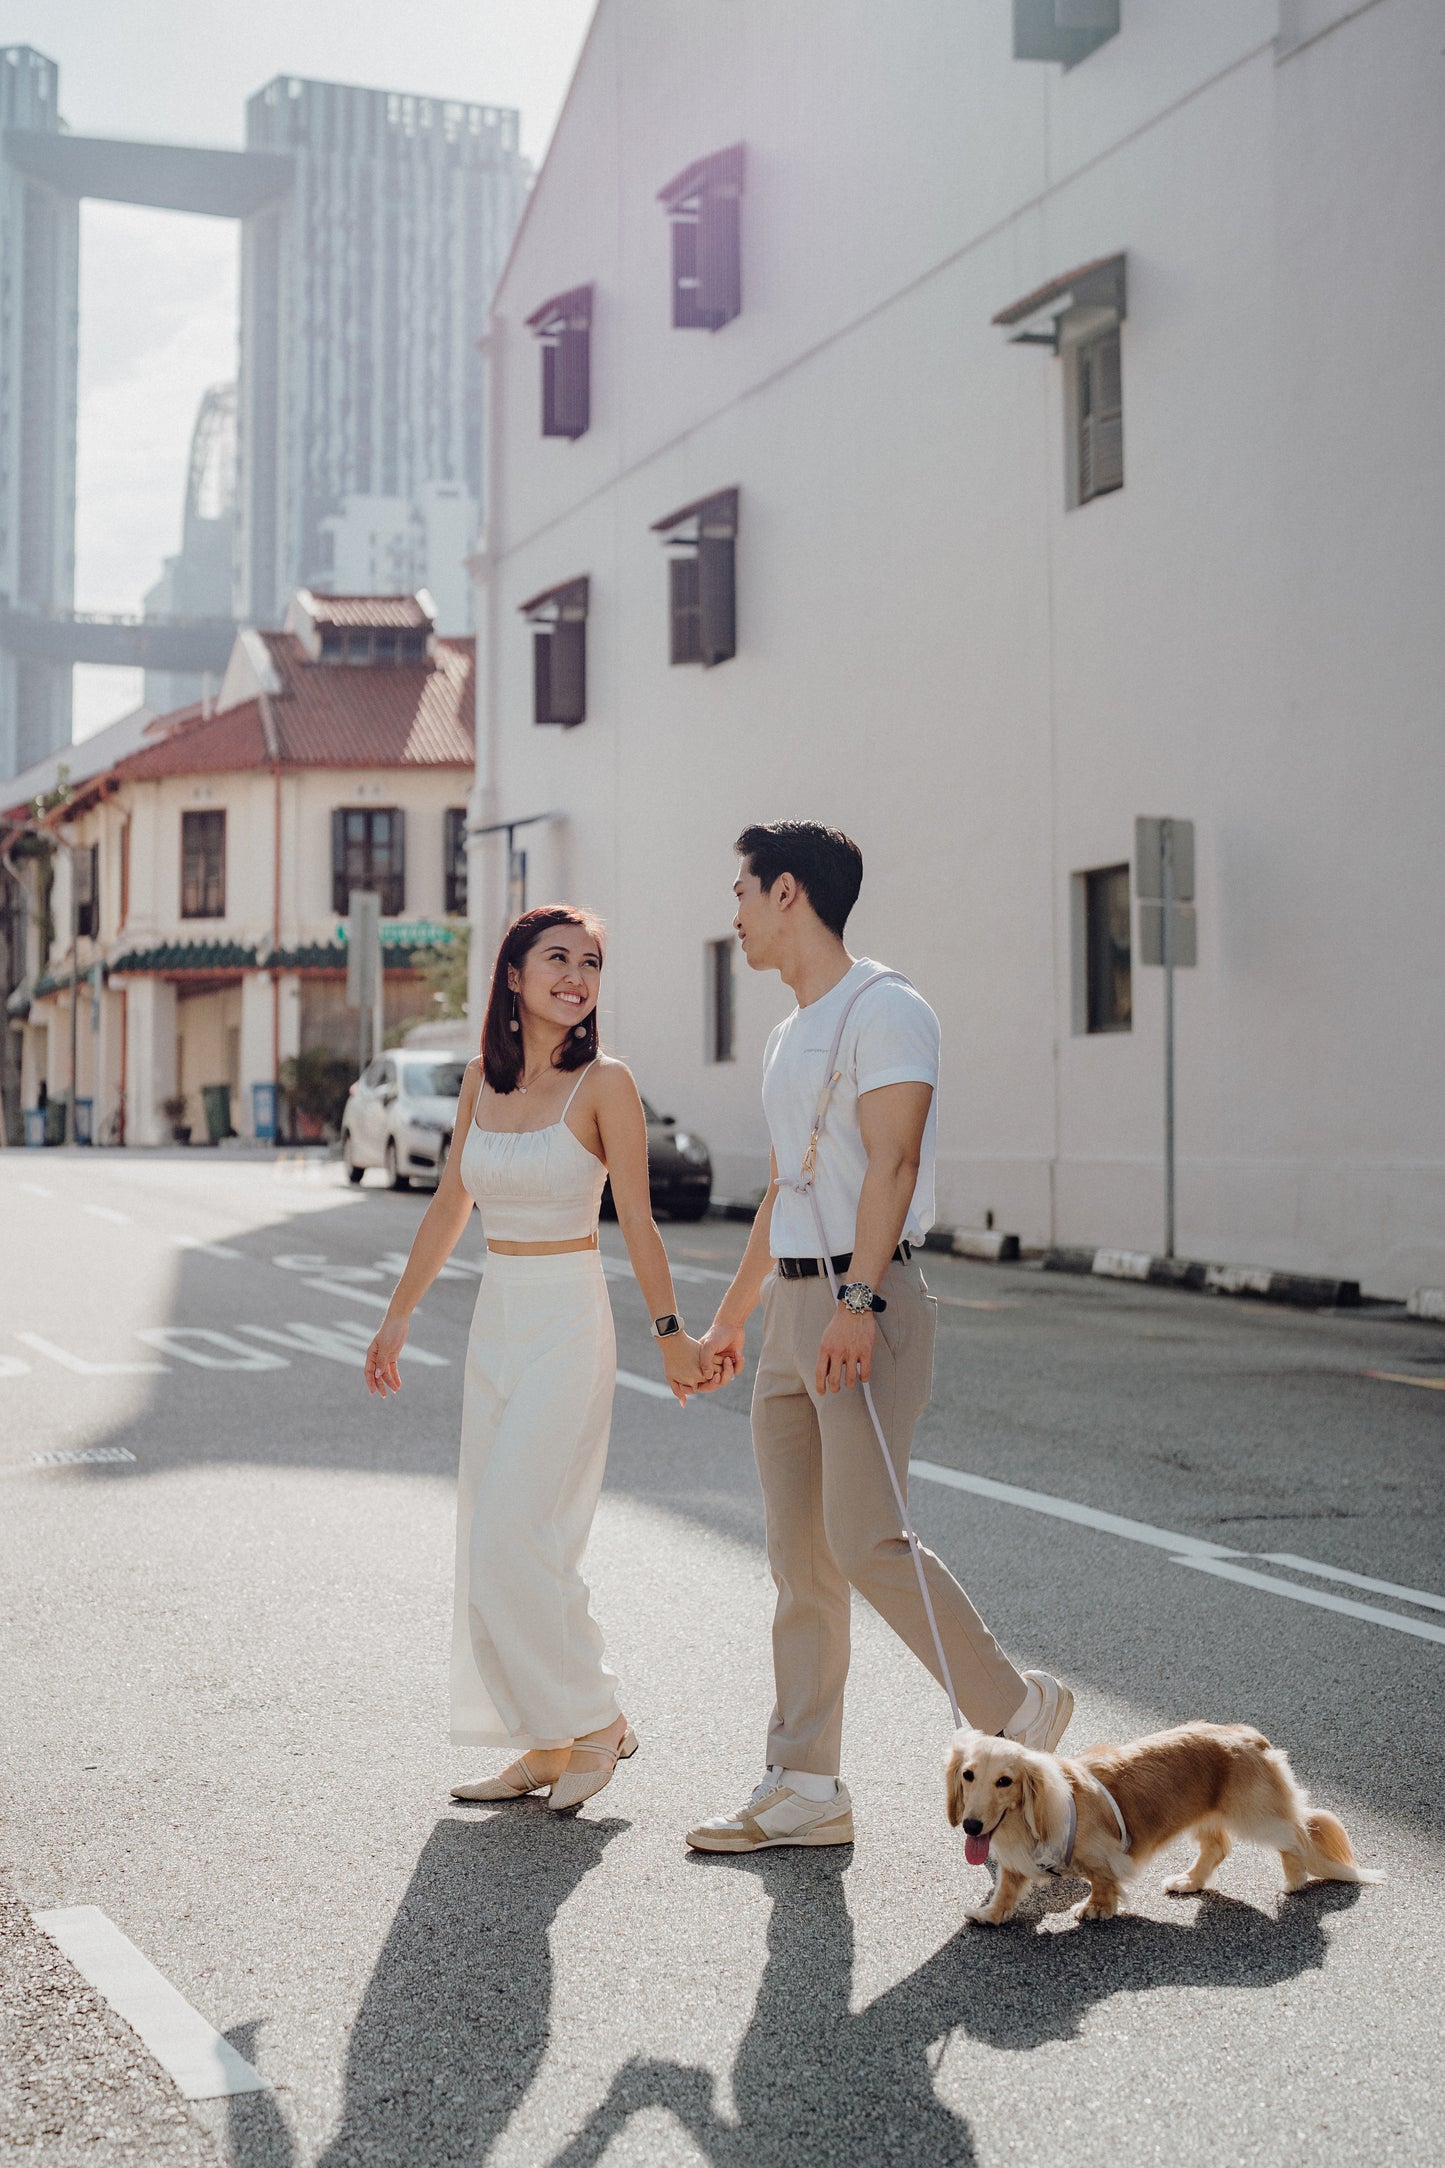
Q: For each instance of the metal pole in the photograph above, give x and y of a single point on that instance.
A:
(70, 1136)
(1166, 840)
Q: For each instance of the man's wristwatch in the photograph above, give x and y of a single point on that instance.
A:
(859, 1297)
(663, 1328)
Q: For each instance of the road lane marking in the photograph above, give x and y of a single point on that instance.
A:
(635, 1384)
(203, 2065)
(86, 1369)
(1398, 1377)
(1354, 1580)
(311, 1261)
(351, 1294)
(82, 1456)
(221, 1350)
(346, 1342)
(12, 1367)
(35, 1189)
(1183, 1550)
(103, 1211)
(208, 1249)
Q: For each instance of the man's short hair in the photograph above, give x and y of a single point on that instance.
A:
(826, 864)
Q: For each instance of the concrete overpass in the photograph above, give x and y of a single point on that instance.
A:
(63, 637)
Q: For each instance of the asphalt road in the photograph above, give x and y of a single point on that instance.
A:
(222, 1693)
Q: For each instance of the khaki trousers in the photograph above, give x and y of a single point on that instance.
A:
(832, 1520)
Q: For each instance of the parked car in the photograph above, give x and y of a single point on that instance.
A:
(679, 1168)
(399, 1115)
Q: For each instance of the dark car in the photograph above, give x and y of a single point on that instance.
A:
(679, 1169)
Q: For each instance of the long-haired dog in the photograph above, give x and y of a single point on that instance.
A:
(1104, 1813)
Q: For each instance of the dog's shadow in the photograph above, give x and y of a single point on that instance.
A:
(1028, 1983)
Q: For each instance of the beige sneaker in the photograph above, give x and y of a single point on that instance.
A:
(776, 1814)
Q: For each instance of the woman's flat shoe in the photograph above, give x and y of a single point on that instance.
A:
(575, 1785)
(499, 1787)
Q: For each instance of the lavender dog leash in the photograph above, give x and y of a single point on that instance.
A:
(804, 1188)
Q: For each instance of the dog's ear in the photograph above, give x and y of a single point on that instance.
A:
(1046, 1803)
(953, 1790)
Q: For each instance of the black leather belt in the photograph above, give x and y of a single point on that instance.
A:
(811, 1268)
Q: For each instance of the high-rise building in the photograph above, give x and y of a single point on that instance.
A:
(364, 292)
(39, 311)
(197, 581)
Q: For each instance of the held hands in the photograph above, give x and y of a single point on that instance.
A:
(382, 1375)
(701, 1366)
(845, 1353)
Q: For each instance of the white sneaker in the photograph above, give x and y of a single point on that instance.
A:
(1053, 1719)
(776, 1814)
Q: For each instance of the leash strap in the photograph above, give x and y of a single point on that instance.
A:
(804, 1188)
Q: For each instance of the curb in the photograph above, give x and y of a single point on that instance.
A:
(1427, 1302)
(1302, 1290)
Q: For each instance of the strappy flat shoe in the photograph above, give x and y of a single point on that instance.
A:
(499, 1788)
(575, 1785)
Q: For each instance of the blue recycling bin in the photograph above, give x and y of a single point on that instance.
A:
(263, 1112)
(35, 1125)
(84, 1111)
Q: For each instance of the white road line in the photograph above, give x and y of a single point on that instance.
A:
(352, 1294)
(82, 1456)
(86, 1369)
(103, 1211)
(208, 1249)
(35, 1189)
(202, 2063)
(635, 1384)
(1192, 1550)
(1354, 1580)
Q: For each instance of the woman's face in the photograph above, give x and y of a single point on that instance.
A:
(557, 980)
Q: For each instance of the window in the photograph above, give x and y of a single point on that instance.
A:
(368, 851)
(1097, 390)
(365, 645)
(455, 861)
(564, 326)
(558, 617)
(720, 999)
(704, 206)
(1064, 30)
(1107, 988)
(85, 871)
(702, 588)
(203, 865)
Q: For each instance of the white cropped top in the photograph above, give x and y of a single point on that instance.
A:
(533, 1185)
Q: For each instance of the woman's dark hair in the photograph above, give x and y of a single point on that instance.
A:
(501, 1046)
(826, 864)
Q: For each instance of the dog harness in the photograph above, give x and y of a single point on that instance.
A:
(1064, 1862)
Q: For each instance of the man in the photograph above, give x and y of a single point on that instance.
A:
(832, 1518)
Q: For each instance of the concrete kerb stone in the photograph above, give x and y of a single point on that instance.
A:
(1427, 1302)
(1302, 1290)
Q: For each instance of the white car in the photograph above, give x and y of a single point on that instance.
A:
(399, 1116)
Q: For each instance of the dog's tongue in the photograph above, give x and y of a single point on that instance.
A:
(975, 1851)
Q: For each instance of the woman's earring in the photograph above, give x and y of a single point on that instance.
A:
(514, 1025)
(580, 1032)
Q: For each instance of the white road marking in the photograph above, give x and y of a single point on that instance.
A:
(635, 1384)
(83, 1368)
(203, 2065)
(208, 1249)
(1185, 1550)
(1354, 1580)
(209, 1349)
(12, 1367)
(82, 1456)
(103, 1211)
(35, 1189)
(308, 1261)
(351, 1294)
(344, 1342)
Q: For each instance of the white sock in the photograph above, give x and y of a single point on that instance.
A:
(808, 1786)
(1028, 1710)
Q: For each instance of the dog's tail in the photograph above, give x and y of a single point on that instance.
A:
(1326, 1852)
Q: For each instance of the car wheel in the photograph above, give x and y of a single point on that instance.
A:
(348, 1158)
(688, 1208)
(394, 1178)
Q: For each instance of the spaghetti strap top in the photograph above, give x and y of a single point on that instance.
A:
(534, 1185)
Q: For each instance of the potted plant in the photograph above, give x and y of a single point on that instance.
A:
(174, 1110)
(309, 1082)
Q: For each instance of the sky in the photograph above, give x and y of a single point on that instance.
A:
(158, 290)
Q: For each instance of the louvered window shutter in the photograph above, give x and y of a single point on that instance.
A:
(574, 380)
(542, 674)
(718, 256)
(717, 622)
(1101, 417)
(683, 590)
(340, 897)
(569, 672)
(686, 314)
(549, 391)
(393, 892)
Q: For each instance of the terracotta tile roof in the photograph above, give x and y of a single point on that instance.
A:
(332, 715)
(402, 613)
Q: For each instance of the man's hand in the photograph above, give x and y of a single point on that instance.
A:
(845, 1354)
(681, 1359)
(722, 1355)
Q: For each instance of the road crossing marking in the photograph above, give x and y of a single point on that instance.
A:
(1195, 1551)
(351, 1294)
(203, 2065)
(104, 1211)
(86, 1369)
(346, 1341)
(208, 1249)
(635, 1384)
(208, 1349)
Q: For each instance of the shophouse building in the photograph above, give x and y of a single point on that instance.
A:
(213, 866)
(978, 426)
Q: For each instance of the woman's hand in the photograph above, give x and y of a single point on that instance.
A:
(382, 1375)
(682, 1360)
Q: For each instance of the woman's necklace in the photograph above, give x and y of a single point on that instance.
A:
(523, 1088)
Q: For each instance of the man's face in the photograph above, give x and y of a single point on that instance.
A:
(757, 918)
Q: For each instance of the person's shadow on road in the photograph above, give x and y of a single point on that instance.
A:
(814, 2080)
(457, 2013)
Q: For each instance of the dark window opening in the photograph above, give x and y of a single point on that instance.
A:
(1099, 391)
(558, 618)
(720, 1000)
(361, 646)
(704, 205)
(203, 865)
(1063, 30)
(455, 865)
(85, 872)
(1109, 987)
(702, 580)
(564, 326)
(368, 851)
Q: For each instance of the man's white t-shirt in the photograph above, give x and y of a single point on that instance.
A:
(892, 1037)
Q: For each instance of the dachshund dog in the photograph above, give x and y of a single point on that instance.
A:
(1104, 1813)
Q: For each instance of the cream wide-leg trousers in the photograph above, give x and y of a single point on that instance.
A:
(527, 1662)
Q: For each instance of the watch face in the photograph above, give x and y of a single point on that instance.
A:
(665, 1327)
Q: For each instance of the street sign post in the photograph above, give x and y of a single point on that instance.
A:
(1168, 935)
(363, 969)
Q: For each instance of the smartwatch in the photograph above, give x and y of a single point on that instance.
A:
(663, 1328)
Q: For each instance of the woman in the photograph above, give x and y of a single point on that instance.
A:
(545, 1118)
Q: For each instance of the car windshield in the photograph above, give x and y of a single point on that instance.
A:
(433, 1079)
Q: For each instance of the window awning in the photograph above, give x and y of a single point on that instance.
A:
(572, 310)
(1090, 298)
(716, 515)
